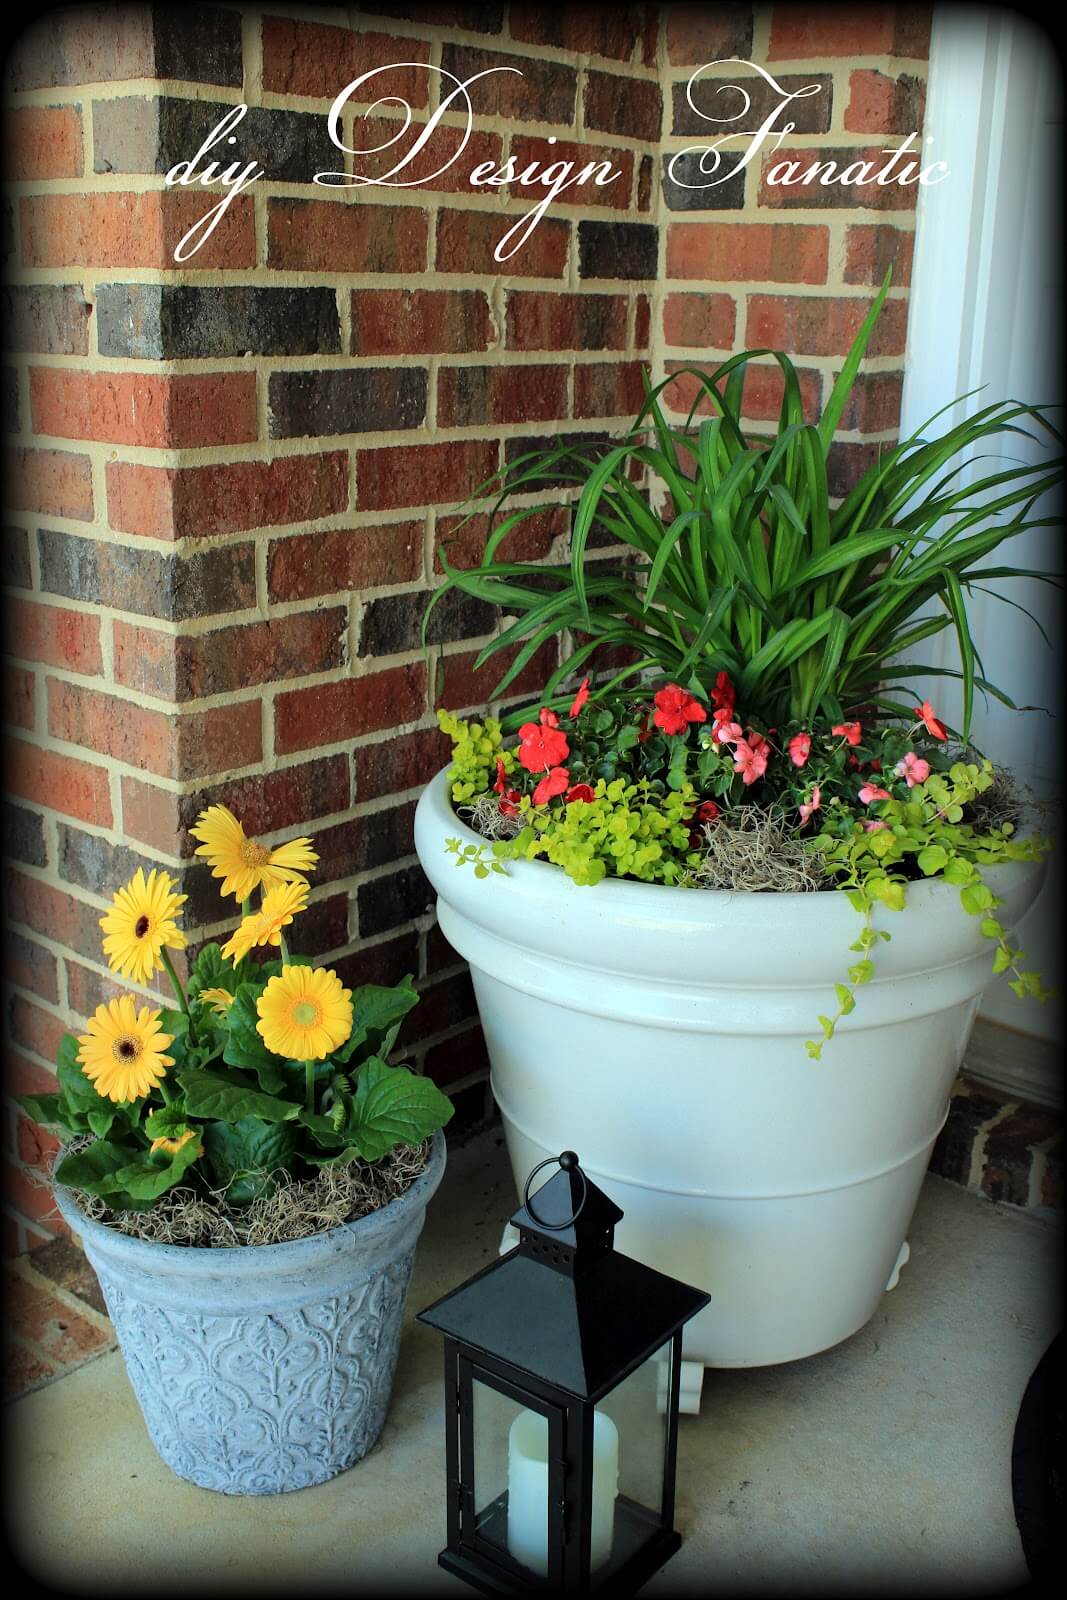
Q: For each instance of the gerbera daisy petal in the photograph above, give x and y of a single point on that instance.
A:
(141, 923)
(121, 1051)
(304, 1013)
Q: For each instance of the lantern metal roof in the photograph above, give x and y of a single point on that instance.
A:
(564, 1306)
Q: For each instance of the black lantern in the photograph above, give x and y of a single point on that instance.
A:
(562, 1362)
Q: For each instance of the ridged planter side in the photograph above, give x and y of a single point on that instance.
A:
(660, 1033)
(265, 1368)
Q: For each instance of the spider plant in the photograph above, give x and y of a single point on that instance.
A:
(808, 606)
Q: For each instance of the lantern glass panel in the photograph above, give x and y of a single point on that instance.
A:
(639, 1408)
(513, 1442)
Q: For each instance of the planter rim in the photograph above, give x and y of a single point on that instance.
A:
(261, 1258)
(540, 871)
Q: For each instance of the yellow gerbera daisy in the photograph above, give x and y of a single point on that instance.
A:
(304, 1013)
(172, 1146)
(220, 1000)
(140, 923)
(265, 926)
(122, 1050)
(243, 863)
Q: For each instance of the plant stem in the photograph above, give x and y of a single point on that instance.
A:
(283, 948)
(175, 982)
(309, 1081)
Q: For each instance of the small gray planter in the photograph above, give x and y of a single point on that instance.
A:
(269, 1367)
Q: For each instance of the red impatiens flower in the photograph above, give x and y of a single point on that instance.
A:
(501, 777)
(547, 717)
(724, 695)
(724, 729)
(541, 745)
(552, 783)
(706, 811)
(749, 761)
(580, 698)
(509, 803)
(925, 712)
(850, 730)
(676, 709)
(871, 792)
(800, 749)
(580, 791)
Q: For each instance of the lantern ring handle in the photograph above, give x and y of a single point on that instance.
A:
(568, 1165)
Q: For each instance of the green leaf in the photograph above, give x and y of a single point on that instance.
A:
(148, 1177)
(93, 1169)
(211, 971)
(243, 1155)
(932, 859)
(244, 1045)
(392, 1106)
(166, 1121)
(230, 1099)
(377, 1014)
(47, 1109)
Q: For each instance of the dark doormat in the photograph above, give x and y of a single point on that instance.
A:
(1038, 1467)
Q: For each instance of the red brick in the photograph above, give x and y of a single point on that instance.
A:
(615, 193)
(816, 325)
(289, 798)
(23, 1370)
(762, 396)
(455, 150)
(174, 747)
(700, 320)
(530, 540)
(389, 766)
(43, 142)
(542, 320)
(586, 29)
(829, 30)
(470, 396)
(186, 502)
(874, 404)
(55, 913)
(788, 191)
(464, 687)
(873, 247)
(29, 966)
(330, 712)
(145, 408)
(529, 89)
(53, 481)
(23, 1076)
(698, 34)
(34, 1028)
(311, 58)
(87, 990)
(63, 1335)
(310, 564)
(466, 241)
(19, 697)
(848, 461)
(881, 104)
(324, 236)
(133, 230)
(224, 660)
(420, 322)
(33, 1197)
(609, 388)
(408, 475)
(642, 321)
(60, 638)
(35, 1145)
(744, 252)
(60, 782)
(631, 106)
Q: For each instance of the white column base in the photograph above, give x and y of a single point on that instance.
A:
(902, 1260)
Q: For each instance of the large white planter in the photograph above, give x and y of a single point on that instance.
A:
(660, 1033)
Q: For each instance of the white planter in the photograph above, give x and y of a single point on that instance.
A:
(660, 1033)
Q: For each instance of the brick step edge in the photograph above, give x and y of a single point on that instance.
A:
(1007, 1149)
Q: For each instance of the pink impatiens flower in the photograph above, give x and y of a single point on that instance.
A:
(913, 768)
(850, 730)
(676, 709)
(871, 792)
(724, 729)
(799, 749)
(812, 804)
(925, 713)
(750, 762)
(579, 700)
(552, 783)
(874, 826)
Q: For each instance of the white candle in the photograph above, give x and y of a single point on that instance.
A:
(528, 1490)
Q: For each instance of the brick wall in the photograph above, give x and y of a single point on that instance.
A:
(227, 480)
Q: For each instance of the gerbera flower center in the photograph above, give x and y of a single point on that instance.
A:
(126, 1048)
(141, 927)
(306, 1014)
(254, 854)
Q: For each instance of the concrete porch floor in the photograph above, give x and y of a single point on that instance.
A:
(882, 1466)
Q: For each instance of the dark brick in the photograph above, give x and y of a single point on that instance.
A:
(389, 901)
(201, 44)
(441, 1005)
(389, 765)
(172, 588)
(65, 1266)
(24, 836)
(7, 231)
(105, 43)
(847, 462)
(809, 115)
(384, 963)
(546, 91)
(1009, 1151)
(15, 567)
(469, 396)
(968, 1113)
(364, 400)
(692, 190)
(9, 400)
(171, 321)
(364, 843)
(93, 863)
(632, 106)
(617, 249)
(591, 446)
(142, 135)
(323, 926)
(472, 19)
(31, 967)
(459, 1057)
(46, 319)
(289, 798)
(393, 622)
